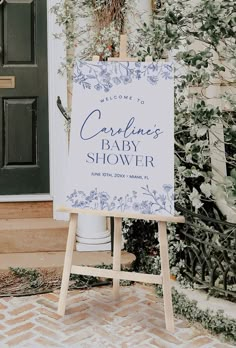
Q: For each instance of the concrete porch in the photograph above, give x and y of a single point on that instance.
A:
(30, 238)
(29, 227)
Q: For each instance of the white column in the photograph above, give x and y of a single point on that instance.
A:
(92, 234)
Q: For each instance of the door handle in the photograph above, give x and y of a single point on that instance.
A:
(1, 2)
(7, 82)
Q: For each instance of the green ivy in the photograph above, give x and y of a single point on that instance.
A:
(142, 240)
(174, 33)
(30, 274)
(216, 323)
(100, 36)
(211, 25)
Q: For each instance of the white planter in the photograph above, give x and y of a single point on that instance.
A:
(92, 234)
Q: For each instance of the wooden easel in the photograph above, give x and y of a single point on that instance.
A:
(116, 274)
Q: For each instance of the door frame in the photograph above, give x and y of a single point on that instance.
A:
(57, 135)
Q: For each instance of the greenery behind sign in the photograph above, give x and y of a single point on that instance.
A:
(201, 38)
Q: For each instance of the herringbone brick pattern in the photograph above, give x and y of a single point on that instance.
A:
(94, 320)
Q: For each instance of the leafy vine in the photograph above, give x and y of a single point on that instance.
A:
(201, 40)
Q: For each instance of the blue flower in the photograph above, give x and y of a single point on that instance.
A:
(75, 204)
(136, 206)
(104, 196)
(138, 74)
(126, 79)
(89, 199)
(156, 67)
(152, 79)
(103, 205)
(77, 77)
(166, 75)
(112, 206)
(169, 67)
(105, 81)
(102, 200)
(106, 76)
(145, 207)
(152, 67)
(81, 204)
(167, 187)
(93, 193)
(116, 81)
(98, 87)
(71, 196)
(86, 73)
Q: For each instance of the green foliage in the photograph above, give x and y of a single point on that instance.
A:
(142, 240)
(31, 275)
(217, 323)
(95, 25)
(79, 281)
(201, 38)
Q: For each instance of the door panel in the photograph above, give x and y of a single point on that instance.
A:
(23, 150)
(24, 153)
(19, 29)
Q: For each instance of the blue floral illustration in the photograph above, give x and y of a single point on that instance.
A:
(103, 75)
(155, 202)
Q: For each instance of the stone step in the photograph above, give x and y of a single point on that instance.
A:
(32, 235)
(56, 259)
(26, 210)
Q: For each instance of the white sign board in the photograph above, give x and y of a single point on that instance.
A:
(121, 154)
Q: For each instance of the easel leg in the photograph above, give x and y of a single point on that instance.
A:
(165, 270)
(67, 264)
(117, 256)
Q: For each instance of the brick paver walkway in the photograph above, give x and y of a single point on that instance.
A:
(93, 320)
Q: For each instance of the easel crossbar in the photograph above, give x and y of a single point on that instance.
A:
(107, 213)
(108, 273)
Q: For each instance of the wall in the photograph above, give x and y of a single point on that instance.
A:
(58, 136)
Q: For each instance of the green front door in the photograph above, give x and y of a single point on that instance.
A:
(24, 153)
